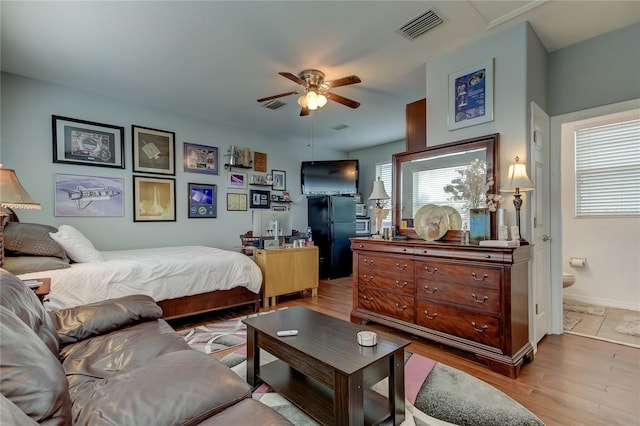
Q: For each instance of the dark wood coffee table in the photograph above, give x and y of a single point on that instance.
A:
(323, 370)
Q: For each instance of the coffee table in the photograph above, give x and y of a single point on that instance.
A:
(323, 370)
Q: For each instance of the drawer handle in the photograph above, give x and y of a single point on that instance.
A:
(433, 271)
(475, 298)
(428, 290)
(424, 251)
(432, 317)
(368, 262)
(404, 249)
(361, 245)
(400, 308)
(367, 299)
(367, 278)
(479, 330)
(402, 284)
(401, 267)
(485, 276)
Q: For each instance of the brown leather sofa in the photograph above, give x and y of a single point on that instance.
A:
(110, 363)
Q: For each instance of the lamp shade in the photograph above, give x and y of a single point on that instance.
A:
(517, 179)
(12, 193)
(378, 193)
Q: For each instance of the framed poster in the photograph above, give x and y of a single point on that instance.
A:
(237, 180)
(200, 158)
(259, 199)
(154, 199)
(260, 162)
(153, 151)
(236, 202)
(90, 196)
(471, 96)
(202, 201)
(279, 180)
(87, 143)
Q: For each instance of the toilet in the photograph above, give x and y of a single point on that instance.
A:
(568, 279)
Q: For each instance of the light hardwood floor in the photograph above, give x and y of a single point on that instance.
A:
(573, 380)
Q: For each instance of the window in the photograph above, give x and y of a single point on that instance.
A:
(384, 173)
(607, 161)
(429, 189)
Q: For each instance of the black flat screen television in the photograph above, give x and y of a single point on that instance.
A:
(333, 177)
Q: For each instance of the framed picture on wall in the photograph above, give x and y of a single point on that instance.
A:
(237, 180)
(200, 158)
(202, 201)
(236, 202)
(279, 180)
(259, 199)
(87, 143)
(154, 199)
(153, 151)
(471, 96)
(90, 196)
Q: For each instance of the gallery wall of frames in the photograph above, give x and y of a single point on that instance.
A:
(250, 185)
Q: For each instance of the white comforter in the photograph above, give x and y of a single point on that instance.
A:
(162, 273)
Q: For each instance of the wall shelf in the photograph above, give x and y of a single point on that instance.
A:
(235, 166)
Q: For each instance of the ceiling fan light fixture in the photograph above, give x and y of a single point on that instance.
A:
(322, 100)
(312, 100)
(302, 101)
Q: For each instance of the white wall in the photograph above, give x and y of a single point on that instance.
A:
(611, 245)
(26, 146)
(511, 103)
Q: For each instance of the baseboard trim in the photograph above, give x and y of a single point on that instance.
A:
(603, 302)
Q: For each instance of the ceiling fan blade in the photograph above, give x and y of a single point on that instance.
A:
(268, 98)
(342, 100)
(294, 78)
(304, 111)
(344, 81)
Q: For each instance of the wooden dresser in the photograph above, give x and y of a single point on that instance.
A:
(469, 297)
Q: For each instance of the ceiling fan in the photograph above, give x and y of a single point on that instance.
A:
(316, 90)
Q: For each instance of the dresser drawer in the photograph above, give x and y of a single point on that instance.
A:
(467, 274)
(382, 246)
(386, 303)
(479, 297)
(387, 264)
(399, 283)
(466, 324)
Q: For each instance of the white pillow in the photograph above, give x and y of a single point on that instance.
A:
(78, 247)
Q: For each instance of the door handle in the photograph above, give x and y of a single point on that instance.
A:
(546, 238)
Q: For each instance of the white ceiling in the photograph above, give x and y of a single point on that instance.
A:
(213, 59)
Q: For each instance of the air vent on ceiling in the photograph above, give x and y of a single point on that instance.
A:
(420, 25)
(340, 127)
(274, 104)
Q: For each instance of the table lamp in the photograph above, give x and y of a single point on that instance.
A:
(518, 181)
(12, 196)
(379, 194)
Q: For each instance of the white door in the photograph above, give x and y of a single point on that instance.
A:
(540, 207)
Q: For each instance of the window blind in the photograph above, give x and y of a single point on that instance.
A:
(607, 169)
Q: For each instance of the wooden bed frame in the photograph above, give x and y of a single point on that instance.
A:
(208, 302)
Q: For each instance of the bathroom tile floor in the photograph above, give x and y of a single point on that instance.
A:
(602, 327)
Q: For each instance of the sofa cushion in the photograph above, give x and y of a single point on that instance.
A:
(31, 239)
(85, 321)
(31, 376)
(248, 411)
(76, 245)
(27, 264)
(119, 351)
(179, 388)
(21, 300)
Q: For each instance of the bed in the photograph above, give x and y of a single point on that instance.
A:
(184, 280)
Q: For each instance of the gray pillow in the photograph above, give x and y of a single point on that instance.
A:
(31, 239)
(25, 264)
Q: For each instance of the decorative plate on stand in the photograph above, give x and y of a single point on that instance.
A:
(455, 220)
(431, 222)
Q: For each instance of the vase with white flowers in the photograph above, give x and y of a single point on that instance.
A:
(472, 187)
